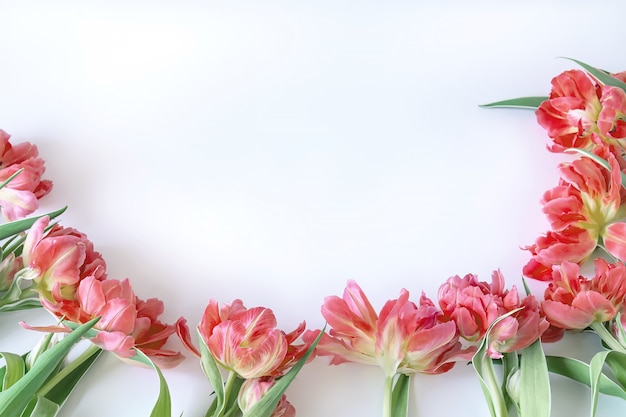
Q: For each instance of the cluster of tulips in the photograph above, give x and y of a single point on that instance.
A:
(250, 362)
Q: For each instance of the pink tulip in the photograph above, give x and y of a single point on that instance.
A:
(583, 210)
(571, 111)
(58, 261)
(403, 338)
(54, 262)
(19, 197)
(245, 341)
(574, 302)
(126, 323)
(474, 306)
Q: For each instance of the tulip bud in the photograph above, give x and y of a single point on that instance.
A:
(618, 329)
(513, 386)
(251, 391)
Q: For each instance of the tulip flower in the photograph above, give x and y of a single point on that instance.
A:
(581, 113)
(246, 343)
(584, 212)
(571, 112)
(19, 197)
(500, 321)
(403, 338)
(57, 261)
(574, 302)
(125, 324)
(475, 305)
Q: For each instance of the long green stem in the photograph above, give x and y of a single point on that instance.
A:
(228, 387)
(607, 337)
(388, 396)
(88, 353)
(496, 398)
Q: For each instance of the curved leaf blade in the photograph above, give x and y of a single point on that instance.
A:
(578, 371)
(531, 103)
(15, 368)
(12, 228)
(163, 404)
(602, 76)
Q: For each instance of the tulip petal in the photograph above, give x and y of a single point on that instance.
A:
(615, 240)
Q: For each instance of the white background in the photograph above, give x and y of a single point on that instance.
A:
(272, 150)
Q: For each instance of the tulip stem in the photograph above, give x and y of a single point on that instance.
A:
(228, 387)
(498, 406)
(607, 337)
(64, 372)
(388, 396)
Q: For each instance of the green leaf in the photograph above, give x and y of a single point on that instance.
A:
(267, 404)
(212, 372)
(163, 405)
(535, 399)
(526, 287)
(602, 76)
(8, 180)
(579, 371)
(15, 368)
(15, 399)
(62, 389)
(22, 303)
(42, 407)
(15, 227)
(531, 103)
(400, 396)
(595, 370)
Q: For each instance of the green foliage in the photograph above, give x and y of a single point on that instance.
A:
(400, 396)
(163, 404)
(16, 398)
(535, 398)
(531, 103)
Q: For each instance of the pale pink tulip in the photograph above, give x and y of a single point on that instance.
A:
(59, 260)
(53, 262)
(245, 341)
(474, 306)
(20, 196)
(126, 323)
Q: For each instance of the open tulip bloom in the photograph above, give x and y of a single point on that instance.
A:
(403, 339)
